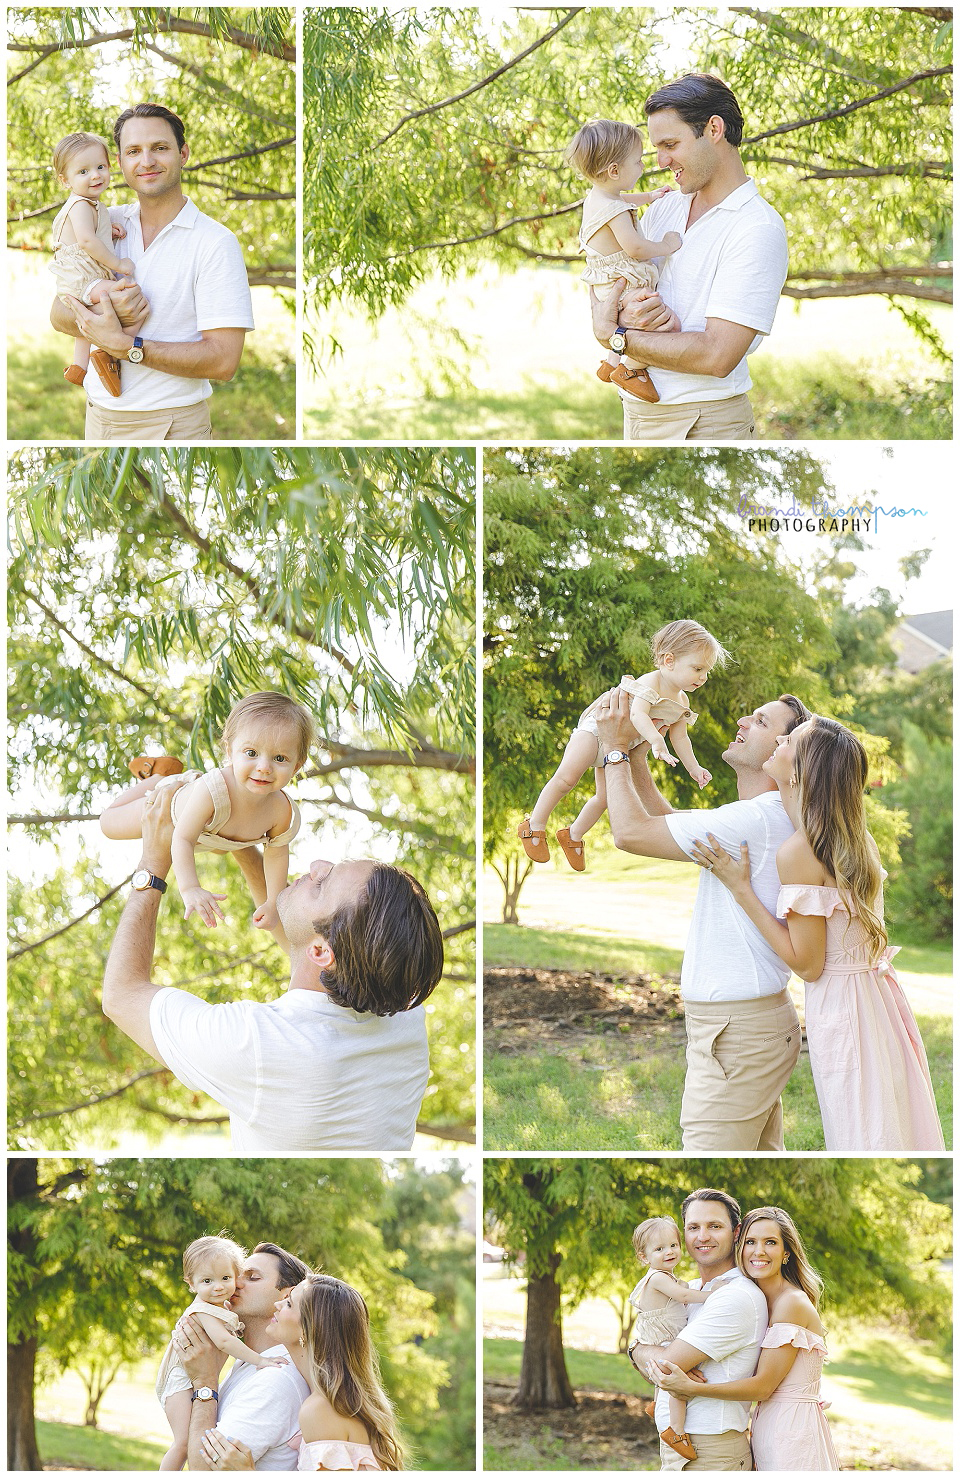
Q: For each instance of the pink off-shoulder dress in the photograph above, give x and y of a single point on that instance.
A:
(869, 1066)
(790, 1432)
(336, 1457)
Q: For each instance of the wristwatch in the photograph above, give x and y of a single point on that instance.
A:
(618, 340)
(135, 353)
(615, 757)
(205, 1393)
(142, 880)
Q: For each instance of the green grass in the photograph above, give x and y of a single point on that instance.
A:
(619, 1090)
(587, 1368)
(86, 1448)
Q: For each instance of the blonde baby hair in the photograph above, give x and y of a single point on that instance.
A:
(597, 145)
(271, 708)
(643, 1231)
(200, 1252)
(681, 637)
(72, 145)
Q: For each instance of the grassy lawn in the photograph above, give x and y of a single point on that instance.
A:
(259, 404)
(520, 365)
(85, 1447)
(618, 1088)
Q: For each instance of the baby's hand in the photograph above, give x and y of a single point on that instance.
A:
(126, 267)
(117, 231)
(671, 242)
(266, 916)
(661, 752)
(199, 901)
(702, 777)
(266, 1360)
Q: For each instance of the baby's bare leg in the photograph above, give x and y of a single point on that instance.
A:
(579, 756)
(592, 811)
(122, 819)
(678, 1414)
(177, 1407)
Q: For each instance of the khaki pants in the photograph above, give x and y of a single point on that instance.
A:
(696, 420)
(740, 1055)
(148, 428)
(721, 1452)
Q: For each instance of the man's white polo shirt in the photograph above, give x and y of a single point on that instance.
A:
(193, 276)
(301, 1072)
(726, 957)
(262, 1409)
(729, 1329)
(732, 265)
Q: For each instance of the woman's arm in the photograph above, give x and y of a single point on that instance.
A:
(801, 943)
(636, 245)
(774, 1365)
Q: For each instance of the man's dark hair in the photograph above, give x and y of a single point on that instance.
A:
(707, 1194)
(387, 946)
(150, 110)
(698, 97)
(292, 1270)
(799, 710)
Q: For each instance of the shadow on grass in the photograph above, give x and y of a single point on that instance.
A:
(88, 1448)
(259, 404)
(881, 1375)
(548, 949)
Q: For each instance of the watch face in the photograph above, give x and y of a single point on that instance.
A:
(141, 879)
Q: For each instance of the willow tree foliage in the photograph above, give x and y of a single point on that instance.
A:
(228, 72)
(873, 1236)
(148, 591)
(95, 1249)
(433, 138)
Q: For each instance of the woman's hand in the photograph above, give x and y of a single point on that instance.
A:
(676, 1381)
(733, 875)
(199, 901)
(221, 1453)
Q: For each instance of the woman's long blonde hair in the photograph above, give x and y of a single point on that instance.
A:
(796, 1269)
(336, 1329)
(831, 767)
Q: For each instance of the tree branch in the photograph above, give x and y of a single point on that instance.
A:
(150, 1072)
(218, 88)
(484, 81)
(875, 97)
(244, 39)
(38, 820)
(463, 1133)
(396, 823)
(459, 929)
(26, 948)
(230, 158)
(884, 286)
(927, 169)
(374, 759)
(482, 235)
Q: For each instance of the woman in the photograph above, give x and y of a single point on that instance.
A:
(790, 1432)
(347, 1422)
(869, 1066)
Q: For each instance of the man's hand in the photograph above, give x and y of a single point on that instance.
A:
(613, 720)
(646, 310)
(129, 303)
(199, 1356)
(104, 329)
(605, 311)
(221, 1453)
(156, 830)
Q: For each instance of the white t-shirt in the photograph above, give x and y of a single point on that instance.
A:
(194, 278)
(262, 1409)
(301, 1072)
(732, 265)
(726, 957)
(729, 1329)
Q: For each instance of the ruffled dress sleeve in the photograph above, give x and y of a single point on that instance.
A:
(806, 899)
(779, 1335)
(337, 1457)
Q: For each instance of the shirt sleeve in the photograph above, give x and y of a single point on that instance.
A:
(724, 1325)
(750, 276)
(222, 291)
(731, 824)
(210, 1048)
(265, 1413)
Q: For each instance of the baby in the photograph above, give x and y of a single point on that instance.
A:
(83, 256)
(610, 156)
(684, 653)
(266, 740)
(660, 1299)
(211, 1266)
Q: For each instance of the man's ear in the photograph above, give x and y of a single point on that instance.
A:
(319, 953)
(184, 153)
(716, 127)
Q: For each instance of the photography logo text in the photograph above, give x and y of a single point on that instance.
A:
(822, 517)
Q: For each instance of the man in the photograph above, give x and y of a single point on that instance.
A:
(722, 1337)
(191, 272)
(720, 289)
(743, 1035)
(260, 1408)
(337, 1063)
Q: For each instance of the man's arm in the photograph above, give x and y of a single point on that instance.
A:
(127, 987)
(714, 350)
(633, 829)
(203, 1363)
(130, 306)
(214, 356)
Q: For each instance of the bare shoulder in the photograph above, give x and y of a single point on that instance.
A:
(794, 1307)
(320, 1423)
(281, 812)
(796, 862)
(650, 679)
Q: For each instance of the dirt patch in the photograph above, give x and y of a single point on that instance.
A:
(526, 1009)
(605, 1430)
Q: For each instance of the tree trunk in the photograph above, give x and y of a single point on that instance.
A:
(543, 1374)
(23, 1456)
(513, 879)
